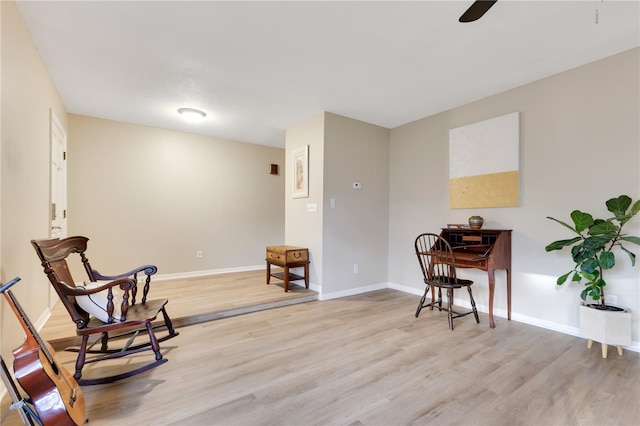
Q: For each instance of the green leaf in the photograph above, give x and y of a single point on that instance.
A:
(631, 213)
(581, 220)
(561, 280)
(604, 227)
(597, 242)
(584, 293)
(563, 224)
(580, 253)
(590, 266)
(631, 239)
(576, 278)
(632, 255)
(619, 206)
(607, 260)
(559, 245)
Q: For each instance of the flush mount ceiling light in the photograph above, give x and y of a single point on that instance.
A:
(192, 115)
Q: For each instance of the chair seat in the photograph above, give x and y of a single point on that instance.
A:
(137, 315)
(449, 282)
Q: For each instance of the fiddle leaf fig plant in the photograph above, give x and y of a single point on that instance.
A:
(592, 249)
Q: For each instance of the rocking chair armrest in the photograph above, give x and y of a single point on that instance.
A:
(147, 269)
(66, 289)
(125, 284)
(103, 301)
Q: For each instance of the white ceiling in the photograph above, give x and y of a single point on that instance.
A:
(258, 68)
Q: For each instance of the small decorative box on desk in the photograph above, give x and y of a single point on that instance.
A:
(288, 257)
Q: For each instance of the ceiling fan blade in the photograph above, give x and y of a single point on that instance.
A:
(476, 10)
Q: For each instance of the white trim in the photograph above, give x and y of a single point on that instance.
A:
(193, 274)
(406, 289)
(353, 291)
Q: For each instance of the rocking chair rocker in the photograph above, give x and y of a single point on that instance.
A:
(97, 311)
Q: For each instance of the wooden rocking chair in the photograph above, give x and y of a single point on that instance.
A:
(104, 316)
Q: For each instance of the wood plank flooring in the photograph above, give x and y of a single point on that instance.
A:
(366, 360)
(200, 299)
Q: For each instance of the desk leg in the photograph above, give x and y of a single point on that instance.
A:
(492, 285)
(509, 294)
(306, 275)
(433, 298)
(268, 272)
(286, 279)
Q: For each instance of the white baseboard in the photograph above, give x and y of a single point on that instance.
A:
(193, 274)
(352, 291)
(406, 289)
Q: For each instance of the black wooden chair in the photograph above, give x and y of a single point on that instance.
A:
(438, 267)
(105, 308)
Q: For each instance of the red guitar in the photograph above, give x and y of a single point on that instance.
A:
(54, 392)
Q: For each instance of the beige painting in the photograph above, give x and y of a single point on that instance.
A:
(301, 172)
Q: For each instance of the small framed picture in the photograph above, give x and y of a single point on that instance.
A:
(301, 172)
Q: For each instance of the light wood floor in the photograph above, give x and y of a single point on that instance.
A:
(366, 360)
(201, 299)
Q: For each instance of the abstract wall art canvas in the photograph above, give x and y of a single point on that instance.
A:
(484, 163)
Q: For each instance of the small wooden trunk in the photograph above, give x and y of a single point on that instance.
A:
(288, 257)
(281, 255)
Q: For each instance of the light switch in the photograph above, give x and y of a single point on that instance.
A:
(333, 203)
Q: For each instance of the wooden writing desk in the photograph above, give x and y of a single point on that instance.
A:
(485, 249)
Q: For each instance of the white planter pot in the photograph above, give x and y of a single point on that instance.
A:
(606, 327)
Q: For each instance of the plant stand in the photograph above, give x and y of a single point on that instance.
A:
(605, 327)
(605, 348)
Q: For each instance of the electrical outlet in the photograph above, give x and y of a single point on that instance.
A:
(355, 268)
(611, 299)
(199, 254)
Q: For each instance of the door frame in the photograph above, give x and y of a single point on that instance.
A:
(57, 185)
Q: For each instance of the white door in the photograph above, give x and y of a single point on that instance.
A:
(58, 179)
(58, 206)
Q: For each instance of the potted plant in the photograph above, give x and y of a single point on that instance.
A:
(593, 252)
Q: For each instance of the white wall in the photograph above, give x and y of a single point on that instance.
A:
(356, 230)
(580, 145)
(28, 96)
(341, 151)
(152, 196)
(302, 228)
